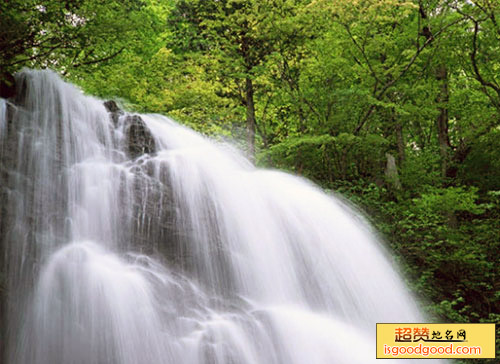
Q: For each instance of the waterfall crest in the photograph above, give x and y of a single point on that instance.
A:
(131, 239)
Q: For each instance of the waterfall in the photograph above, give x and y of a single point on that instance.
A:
(3, 116)
(130, 239)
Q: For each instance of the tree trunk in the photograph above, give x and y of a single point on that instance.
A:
(441, 75)
(250, 118)
(442, 119)
(400, 142)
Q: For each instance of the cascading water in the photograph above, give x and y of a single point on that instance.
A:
(183, 254)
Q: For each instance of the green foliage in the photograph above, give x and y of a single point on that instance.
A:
(336, 86)
(64, 34)
(421, 168)
(327, 158)
(446, 241)
(483, 161)
(446, 201)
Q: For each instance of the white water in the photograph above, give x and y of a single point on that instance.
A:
(189, 255)
(3, 118)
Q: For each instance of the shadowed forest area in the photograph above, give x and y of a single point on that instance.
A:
(393, 104)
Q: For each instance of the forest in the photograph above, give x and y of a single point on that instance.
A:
(393, 104)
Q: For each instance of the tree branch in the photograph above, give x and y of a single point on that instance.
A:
(403, 72)
(363, 53)
(107, 58)
(475, 67)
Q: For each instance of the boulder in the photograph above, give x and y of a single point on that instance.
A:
(114, 110)
(139, 137)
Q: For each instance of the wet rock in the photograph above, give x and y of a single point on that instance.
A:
(139, 137)
(114, 110)
(111, 106)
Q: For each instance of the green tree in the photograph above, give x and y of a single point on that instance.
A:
(64, 34)
(239, 36)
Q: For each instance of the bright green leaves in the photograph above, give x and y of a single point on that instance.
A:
(329, 159)
(446, 201)
(65, 34)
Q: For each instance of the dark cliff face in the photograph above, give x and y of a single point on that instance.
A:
(8, 148)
